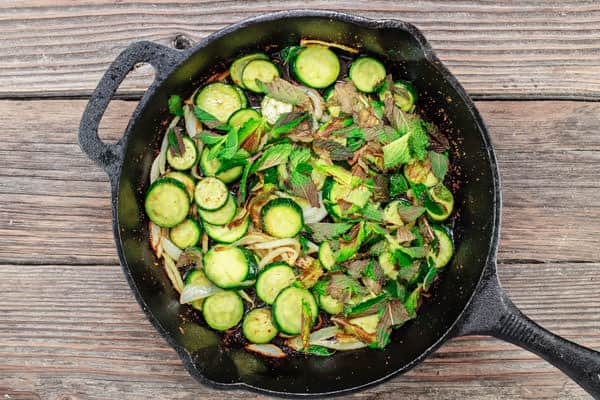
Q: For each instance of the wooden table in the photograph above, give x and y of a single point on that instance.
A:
(71, 329)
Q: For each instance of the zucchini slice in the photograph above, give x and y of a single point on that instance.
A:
(367, 74)
(404, 94)
(334, 191)
(333, 110)
(282, 218)
(211, 167)
(262, 70)
(440, 255)
(185, 160)
(326, 256)
(197, 277)
(287, 309)
(420, 172)
(272, 109)
(316, 66)
(219, 99)
(386, 261)
(391, 214)
(235, 71)
(241, 116)
(242, 95)
(258, 326)
(167, 202)
(187, 180)
(230, 267)
(210, 194)
(441, 195)
(223, 310)
(330, 305)
(222, 216)
(273, 279)
(227, 233)
(186, 234)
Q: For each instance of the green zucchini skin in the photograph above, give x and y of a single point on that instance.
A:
(287, 309)
(188, 159)
(230, 267)
(220, 100)
(223, 310)
(316, 67)
(237, 67)
(441, 256)
(222, 216)
(258, 326)
(186, 234)
(211, 194)
(367, 74)
(226, 233)
(262, 70)
(273, 279)
(282, 218)
(171, 192)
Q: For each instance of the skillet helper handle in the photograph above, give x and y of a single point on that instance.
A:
(110, 156)
(493, 313)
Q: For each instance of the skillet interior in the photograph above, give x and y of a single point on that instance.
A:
(440, 101)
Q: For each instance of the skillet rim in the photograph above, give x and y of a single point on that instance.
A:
(487, 272)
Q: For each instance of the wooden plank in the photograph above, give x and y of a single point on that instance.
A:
(56, 206)
(526, 49)
(75, 331)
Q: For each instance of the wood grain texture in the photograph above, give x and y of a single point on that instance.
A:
(80, 334)
(548, 153)
(497, 49)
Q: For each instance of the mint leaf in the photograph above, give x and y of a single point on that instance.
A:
(319, 351)
(439, 164)
(398, 185)
(418, 140)
(204, 116)
(322, 231)
(272, 156)
(210, 139)
(176, 105)
(284, 91)
(288, 121)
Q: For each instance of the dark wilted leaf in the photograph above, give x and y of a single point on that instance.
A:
(176, 145)
(404, 234)
(425, 230)
(439, 164)
(284, 91)
(395, 314)
(341, 287)
(355, 268)
(307, 319)
(381, 188)
(409, 273)
(440, 142)
(336, 150)
(322, 231)
(409, 213)
(346, 95)
(192, 256)
(308, 190)
(288, 121)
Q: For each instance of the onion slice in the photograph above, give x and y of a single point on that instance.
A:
(173, 273)
(274, 244)
(267, 350)
(173, 251)
(192, 125)
(193, 292)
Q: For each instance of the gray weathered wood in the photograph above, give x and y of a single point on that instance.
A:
(75, 331)
(508, 49)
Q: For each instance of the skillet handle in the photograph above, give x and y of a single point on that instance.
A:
(110, 156)
(493, 313)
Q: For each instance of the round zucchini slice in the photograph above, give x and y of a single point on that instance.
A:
(230, 267)
(235, 71)
(210, 194)
(241, 116)
(420, 172)
(404, 94)
(222, 216)
(223, 310)
(441, 254)
(391, 214)
(167, 202)
(316, 66)
(442, 196)
(287, 309)
(242, 95)
(262, 70)
(273, 279)
(367, 74)
(330, 305)
(326, 256)
(186, 234)
(219, 99)
(227, 233)
(282, 218)
(188, 181)
(258, 326)
(210, 168)
(186, 160)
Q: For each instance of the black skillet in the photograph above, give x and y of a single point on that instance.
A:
(468, 300)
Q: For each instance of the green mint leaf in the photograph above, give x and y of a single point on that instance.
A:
(272, 156)
(210, 139)
(288, 121)
(319, 351)
(336, 150)
(176, 105)
(284, 91)
(398, 185)
(322, 231)
(204, 116)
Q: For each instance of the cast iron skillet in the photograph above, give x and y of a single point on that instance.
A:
(469, 299)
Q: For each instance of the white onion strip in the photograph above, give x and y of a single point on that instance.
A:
(173, 273)
(267, 350)
(195, 292)
(192, 125)
(274, 243)
(162, 163)
(173, 251)
(276, 253)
